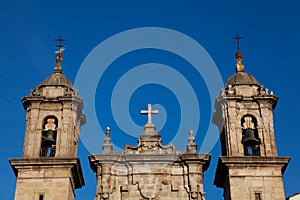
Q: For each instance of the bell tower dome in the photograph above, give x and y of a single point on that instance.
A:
(49, 167)
(249, 167)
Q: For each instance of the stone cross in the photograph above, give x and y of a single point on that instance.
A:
(149, 112)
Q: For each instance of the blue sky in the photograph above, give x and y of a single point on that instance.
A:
(270, 46)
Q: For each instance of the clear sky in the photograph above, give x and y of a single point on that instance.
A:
(270, 46)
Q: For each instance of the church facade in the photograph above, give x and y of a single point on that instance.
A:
(248, 169)
(150, 170)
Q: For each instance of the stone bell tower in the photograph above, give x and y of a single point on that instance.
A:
(249, 167)
(49, 168)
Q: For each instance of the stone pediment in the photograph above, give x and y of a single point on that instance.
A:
(150, 142)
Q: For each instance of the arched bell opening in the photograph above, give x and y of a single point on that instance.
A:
(250, 138)
(49, 135)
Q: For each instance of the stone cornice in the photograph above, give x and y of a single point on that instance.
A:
(227, 162)
(119, 157)
(73, 163)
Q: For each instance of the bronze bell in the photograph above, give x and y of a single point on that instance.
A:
(250, 139)
(49, 139)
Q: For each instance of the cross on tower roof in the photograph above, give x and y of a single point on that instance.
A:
(237, 38)
(60, 41)
(149, 112)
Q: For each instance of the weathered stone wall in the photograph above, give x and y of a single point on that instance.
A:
(155, 179)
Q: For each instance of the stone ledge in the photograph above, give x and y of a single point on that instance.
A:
(119, 157)
(38, 163)
(226, 162)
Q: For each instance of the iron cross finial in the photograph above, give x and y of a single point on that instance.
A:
(59, 56)
(60, 41)
(237, 38)
(149, 112)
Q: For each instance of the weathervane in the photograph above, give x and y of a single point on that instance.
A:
(60, 45)
(237, 38)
